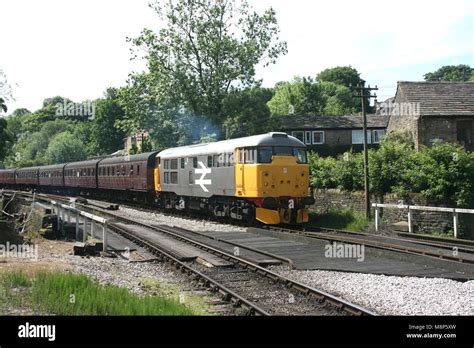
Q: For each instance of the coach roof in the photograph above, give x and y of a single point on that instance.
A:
(228, 146)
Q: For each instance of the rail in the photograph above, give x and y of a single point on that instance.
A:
(410, 208)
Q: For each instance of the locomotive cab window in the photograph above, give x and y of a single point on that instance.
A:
(265, 155)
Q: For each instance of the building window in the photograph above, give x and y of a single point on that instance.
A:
(307, 138)
(298, 135)
(378, 135)
(358, 137)
(318, 137)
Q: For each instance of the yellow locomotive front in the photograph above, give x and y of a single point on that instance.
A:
(276, 179)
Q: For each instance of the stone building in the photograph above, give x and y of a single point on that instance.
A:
(135, 140)
(332, 135)
(434, 112)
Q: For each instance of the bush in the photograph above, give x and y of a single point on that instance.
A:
(443, 173)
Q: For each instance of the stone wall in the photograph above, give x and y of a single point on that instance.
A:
(423, 221)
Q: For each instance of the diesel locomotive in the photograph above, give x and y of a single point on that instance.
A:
(262, 177)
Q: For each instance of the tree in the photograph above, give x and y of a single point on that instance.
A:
(5, 92)
(3, 106)
(204, 48)
(4, 138)
(105, 135)
(247, 112)
(342, 75)
(63, 148)
(460, 72)
(303, 96)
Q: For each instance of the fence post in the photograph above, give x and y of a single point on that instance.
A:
(58, 218)
(455, 223)
(92, 229)
(376, 217)
(84, 233)
(104, 236)
(410, 223)
(77, 226)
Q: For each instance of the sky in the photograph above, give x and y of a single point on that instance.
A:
(77, 48)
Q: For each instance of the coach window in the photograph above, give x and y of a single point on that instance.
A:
(138, 169)
(195, 162)
(166, 178)
(167, 164)
(209, 161)
(218, 161)
(183, 164)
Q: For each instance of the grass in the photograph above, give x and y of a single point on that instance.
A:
(70, 294)
(345, 219)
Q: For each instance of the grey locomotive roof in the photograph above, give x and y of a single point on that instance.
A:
(228, 146)
(439, 98)
(125, 159)
(333, 122)
(89, 163)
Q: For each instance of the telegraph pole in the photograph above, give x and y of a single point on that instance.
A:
(362, 93)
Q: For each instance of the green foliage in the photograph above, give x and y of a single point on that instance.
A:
(105, 135)
(5, 138)
(342, 75)
(247, 112)
(147, 105)
(64, 148)
(459, 72)
(201, 51)
(3, 106)
(443, 173)
(35, 148)
(304, 96)
(346, 219)
(70, 294)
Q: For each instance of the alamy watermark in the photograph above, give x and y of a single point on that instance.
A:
(85, 110)
(399, 109)
(345, 251)
(22, 251)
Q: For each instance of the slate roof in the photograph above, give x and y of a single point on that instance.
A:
(333, 122)
(439, 98)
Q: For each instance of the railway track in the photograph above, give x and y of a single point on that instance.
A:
(258, 290)
(429, 246)
(458, 252)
